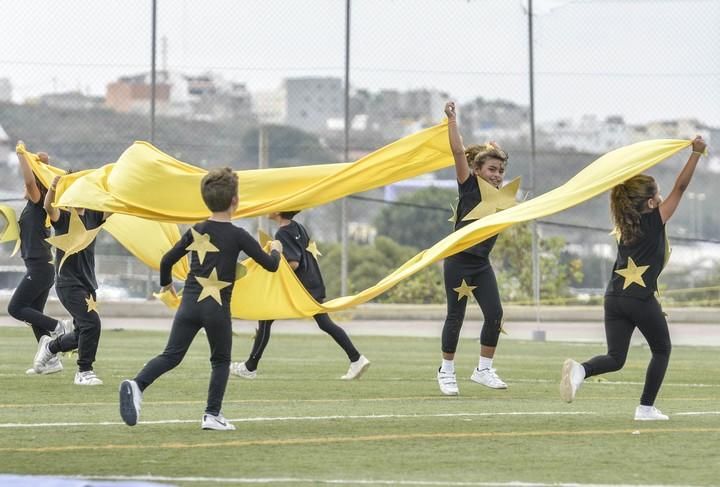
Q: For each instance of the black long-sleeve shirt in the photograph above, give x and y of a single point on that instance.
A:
(229, 241)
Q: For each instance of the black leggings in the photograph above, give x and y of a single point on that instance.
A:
(455, 269)
(86, 333)
(622, 315)
(28, 301)
(190, 318)
(262, 337)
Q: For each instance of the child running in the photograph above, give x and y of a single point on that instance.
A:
(298, 250)
(640, 215)
(215, 245)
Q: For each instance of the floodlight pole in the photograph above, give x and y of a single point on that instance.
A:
(343, 202)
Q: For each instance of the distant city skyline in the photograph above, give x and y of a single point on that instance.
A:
(645, 61)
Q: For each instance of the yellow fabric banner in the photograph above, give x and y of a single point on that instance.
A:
(9, 228)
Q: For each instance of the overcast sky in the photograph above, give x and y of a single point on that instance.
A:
(642, 59)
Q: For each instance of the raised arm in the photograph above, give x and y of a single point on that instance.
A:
(32, 192)
(462, 170)
(52, 212)
(668, 207)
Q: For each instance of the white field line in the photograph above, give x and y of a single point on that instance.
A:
(242, 480)
(305, 418)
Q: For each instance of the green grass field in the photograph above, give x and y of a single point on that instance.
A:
(300, 425)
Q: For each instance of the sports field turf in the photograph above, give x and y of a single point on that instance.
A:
(300, 425)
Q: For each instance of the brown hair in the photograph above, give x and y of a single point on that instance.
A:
(478, 154)
(218, 187)
(627, 202)
(288, 215)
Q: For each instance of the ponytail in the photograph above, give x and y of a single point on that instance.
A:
(627, 202)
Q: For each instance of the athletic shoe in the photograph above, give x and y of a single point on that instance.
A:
(488, 378)
(649, 413)
(239, 369)
(219, 423)
(573, 375)
(62, 327)
(357, 368)
(54, 365)
(87, 378)
(130, 401)
(448, 383)
(43, 355)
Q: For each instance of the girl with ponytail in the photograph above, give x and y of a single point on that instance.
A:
(640, 215)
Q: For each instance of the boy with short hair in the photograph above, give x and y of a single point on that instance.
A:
(214, 245)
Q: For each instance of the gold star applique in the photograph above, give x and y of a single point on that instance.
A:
(313, 249)
(502, 328)
(91, 303)
(616, 233)
(493, 199)
(633, 273)
(453, 217)
(201, 244)
(76, 239)
(464, 290)
(211, 286)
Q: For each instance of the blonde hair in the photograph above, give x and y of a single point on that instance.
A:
(627, 202)
(478, 154)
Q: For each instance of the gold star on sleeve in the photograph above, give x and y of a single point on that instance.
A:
(211, 286)
(91, 303)
(313, 249)
(616, 233)
(464, 290)
(201, 244)
(493, 199)
(453, 217)
(76, 239)
(632, 273)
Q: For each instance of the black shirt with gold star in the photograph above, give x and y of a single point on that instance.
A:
(215, 247)
(79, 268)
(33, 232)
(296, 240)
(468, 198)
(639, 265)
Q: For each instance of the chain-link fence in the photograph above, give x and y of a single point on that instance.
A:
(75, 80)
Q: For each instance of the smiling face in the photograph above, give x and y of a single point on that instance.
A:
(491, 169)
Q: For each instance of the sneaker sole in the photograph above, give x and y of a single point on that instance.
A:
(359, 374)
(127, 405)
(566, 393)
(651, 419)
(472, 378)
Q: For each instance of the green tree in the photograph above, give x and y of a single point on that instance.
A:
(420, 222)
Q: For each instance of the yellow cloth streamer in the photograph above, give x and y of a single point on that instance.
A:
(9, 228)
(148, 183)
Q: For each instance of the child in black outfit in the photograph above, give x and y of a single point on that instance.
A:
(216, 243)
(75, 286)
(298, 250)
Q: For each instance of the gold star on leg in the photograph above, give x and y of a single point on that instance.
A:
(464, 290)
(76, 239)
(201, 244)
(91, 304)
(493, 199)
(211, 286)
(313, 249)
(632, 273)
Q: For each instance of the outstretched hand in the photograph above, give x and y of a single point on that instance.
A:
(450, 110)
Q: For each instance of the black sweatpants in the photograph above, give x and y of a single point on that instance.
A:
(323, 320)
(622, 315)
(86, 334)
(464, 266)
(28, 301)
(190, 318)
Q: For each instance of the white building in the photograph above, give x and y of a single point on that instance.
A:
(589, 134)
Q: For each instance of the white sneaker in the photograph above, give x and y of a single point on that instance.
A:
(573, 375)
(357, 368)
(62, 327)
(239, 369)
(219, 423)
(87, 378)
(448, 383)
(649, 413)
(53, 366)
(130, 401)
(43, 355)
(488, 378)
